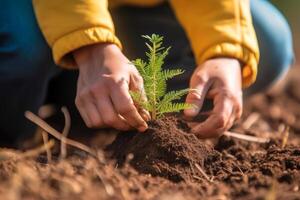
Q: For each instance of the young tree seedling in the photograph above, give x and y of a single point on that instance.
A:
(159, 101)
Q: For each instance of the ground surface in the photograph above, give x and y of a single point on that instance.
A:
(161, 165)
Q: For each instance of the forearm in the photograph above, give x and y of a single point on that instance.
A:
(73, 24)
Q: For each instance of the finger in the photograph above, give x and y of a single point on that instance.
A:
(108, 114)
(137, 85)
(236, 115)
(231, 120)
(124, 106)
(196, 97)
(90, 111)
(93, 115)
(144, 114)
(82, 112)
(239, 108)
(217, 121)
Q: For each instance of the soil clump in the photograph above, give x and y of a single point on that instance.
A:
(165, 150)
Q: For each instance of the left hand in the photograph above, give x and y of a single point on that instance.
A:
(218, 79)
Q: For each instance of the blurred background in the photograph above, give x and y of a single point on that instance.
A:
(291, 10)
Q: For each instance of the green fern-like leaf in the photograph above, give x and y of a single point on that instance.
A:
(173, 107)
(169, 74)
(140, 65)
(155, 80)
(170, 97)
(137, 97)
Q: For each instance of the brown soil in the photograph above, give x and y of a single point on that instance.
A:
(237, 169)
(166, 161)
(163, 150)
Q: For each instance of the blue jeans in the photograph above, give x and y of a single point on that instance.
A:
(27, 71)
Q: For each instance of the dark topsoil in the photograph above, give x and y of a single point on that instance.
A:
(163, 150)
(168, 162)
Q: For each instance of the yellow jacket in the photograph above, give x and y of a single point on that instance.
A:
(214, 28)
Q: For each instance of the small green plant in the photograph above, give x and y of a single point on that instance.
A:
(155, 78)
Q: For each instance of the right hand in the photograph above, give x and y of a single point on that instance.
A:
(218, 79)
(105, 78)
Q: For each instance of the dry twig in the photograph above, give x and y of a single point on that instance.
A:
(63, 146)
(108, 187)
(203, 173)
(123, 185)
(48, 150)
(246, 137)
(272, 194)
(7, 154)
(197, 177)
(285, 136)
(37, 151)
(45, 126)
(251, 119)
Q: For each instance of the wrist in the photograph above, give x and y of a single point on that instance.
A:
(96, 52)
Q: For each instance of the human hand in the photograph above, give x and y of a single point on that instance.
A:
(105, 78)
(218, 79)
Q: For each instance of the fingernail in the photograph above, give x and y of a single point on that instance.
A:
(145, 117)
(145, 114)
(191, 111)
(148, 117)
(143, 128)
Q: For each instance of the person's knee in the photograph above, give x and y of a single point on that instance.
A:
(275, 42)
(279, 55)
(24, 53)
(275, 45)
(30, 59)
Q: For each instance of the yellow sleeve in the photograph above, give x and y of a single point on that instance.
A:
(220, 28)
(70, 24)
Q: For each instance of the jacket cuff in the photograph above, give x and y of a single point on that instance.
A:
(246, 56)
(63, 47)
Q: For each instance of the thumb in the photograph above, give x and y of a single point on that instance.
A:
(195, 97)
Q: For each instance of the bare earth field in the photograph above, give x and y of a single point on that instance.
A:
(167, 162)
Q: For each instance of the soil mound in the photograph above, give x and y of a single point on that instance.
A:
(164, 150)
